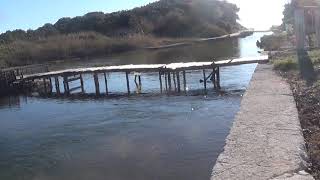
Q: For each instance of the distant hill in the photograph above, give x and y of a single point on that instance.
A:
(165, 18)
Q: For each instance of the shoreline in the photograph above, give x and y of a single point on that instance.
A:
(240, 34)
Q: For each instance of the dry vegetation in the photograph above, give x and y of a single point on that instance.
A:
(85, 44)
(307, 97)
(98, 33)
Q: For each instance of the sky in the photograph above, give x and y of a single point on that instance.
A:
(31, 14)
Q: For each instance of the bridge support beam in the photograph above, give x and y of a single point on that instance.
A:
(184, 81)
(56, 83)
(178, 81)
(128, 83)
(96, 83)
(160, 80)
(106, 83)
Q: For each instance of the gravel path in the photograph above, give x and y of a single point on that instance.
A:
(265, 141)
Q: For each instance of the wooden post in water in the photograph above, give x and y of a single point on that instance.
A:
(317, 27)
(218, 78)
(160, 80)
(169, 81)
(66, 85)
(106, 83)
(96, 83)
(166, 80)
(184, 81)
(128, 83)
(204, 80)
(82, 84)
(214, 72)
(140, 83)
(299, 27)
(178, 81)
(56, 82)
(174, 80)
(45, 85)
(50, 85)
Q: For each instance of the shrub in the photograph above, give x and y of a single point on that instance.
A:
(287, 64)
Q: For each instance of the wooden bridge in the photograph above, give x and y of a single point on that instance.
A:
(172, 77)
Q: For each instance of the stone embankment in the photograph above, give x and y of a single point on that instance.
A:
(266, 140)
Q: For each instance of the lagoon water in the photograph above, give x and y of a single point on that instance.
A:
(139, 137)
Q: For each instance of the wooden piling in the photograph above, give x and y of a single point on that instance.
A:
(45, 85)
(96, 83)
(50, 85)
(169, 81)
(82, 84)
(174, 80)
(204, 80)
(218, 78)
(66, 85)
(178, 81)
(106, 83)
(160, 80)
(213, 78)
(166, 81)
(128, 83)
(56, 82)
(184, 81)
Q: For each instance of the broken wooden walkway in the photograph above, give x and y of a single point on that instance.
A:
(170, 75)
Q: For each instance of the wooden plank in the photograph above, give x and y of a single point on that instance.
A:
(74, 79)
(74, 89)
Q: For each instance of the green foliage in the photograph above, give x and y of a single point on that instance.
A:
(166, 18)
(315, 56)
(97, 33)
(286, 64)
(273, 42)
(68, 46)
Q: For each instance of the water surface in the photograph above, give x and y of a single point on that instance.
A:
(137, 138)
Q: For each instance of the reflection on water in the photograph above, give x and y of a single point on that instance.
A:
(138, 138)
(196, 52)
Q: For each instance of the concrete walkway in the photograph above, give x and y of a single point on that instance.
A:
(265, 141)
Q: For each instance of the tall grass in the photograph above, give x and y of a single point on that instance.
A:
(286, 63)
(85, 44)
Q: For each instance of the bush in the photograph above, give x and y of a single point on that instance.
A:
(287, 64)
(273, 42)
